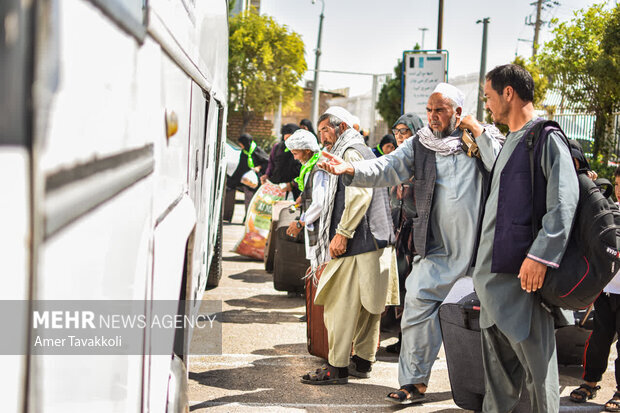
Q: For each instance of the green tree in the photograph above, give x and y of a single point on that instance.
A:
(583, 63)
(265, 62)
(390, 96)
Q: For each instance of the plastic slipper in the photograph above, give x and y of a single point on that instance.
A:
(613, 405)
(583, 393)
(323, 376)
(407, 394)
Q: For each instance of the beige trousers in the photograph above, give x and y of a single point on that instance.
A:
(347, 321)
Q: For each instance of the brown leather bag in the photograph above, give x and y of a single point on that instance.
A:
(316, 331)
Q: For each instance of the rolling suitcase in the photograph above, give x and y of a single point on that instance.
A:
(315, 328)
(460, 329)
(270, 243)
(289, 256)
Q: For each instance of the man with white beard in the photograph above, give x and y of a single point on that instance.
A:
(448, 188)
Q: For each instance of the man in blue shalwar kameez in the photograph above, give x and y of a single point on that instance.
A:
(518, 338)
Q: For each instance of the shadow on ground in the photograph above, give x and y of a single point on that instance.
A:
(239, 258)
(283, 349)
(259, 317)
(279, 379)
(252, 277)
(268, 301)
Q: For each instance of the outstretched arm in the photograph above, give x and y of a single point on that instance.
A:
(388, 170)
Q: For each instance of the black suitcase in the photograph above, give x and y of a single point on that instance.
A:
(460, 330)
(270, 244)
(289, 261)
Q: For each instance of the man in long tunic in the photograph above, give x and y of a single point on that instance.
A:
(448, 187)
(355, 229)
(518, 341)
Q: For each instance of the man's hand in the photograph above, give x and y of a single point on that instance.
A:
(263, 179)
(336, 165)
(532, 275)
(292, 229)
(338, 246)
(471, 123)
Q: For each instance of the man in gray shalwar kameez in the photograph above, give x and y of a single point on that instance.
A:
(518, 341)
(448, 188)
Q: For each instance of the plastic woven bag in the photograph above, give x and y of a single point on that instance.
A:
(258, 221)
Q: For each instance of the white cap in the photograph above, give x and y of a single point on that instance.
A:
(342, 114)
(451, 92)
(302, 139)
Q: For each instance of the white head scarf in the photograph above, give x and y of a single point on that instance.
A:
(451, 92)
(302, 139)
(342, 114)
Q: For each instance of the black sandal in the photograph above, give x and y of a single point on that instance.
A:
(407, 394)
(614, 402)
(327, 374)
(583, 393)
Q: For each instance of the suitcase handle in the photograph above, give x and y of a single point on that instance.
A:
(470, 307)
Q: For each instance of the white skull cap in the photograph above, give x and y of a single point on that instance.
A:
(451, 92)
(342, 114)
(302, 139)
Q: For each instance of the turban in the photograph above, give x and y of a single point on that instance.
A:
(451, 92)
(302, 139)
(342, 114)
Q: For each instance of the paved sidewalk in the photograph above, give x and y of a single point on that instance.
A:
(264, 355)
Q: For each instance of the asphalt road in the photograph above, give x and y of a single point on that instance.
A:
(264, 355)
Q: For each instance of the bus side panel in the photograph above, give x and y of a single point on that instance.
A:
(14, 244)
(211, 183)
(199, 161)
(172, 154)
(95, 112)
(169, 256)
(101, 256)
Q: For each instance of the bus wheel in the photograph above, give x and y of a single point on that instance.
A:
(215, 271)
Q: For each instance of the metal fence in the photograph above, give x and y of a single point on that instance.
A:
(580, 126)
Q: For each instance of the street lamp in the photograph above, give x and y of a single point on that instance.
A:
(483, 68)
(314, 114)
(423, 29)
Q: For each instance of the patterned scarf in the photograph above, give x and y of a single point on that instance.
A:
(349, 138)
(449, 145)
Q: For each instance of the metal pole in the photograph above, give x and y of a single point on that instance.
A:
(537, 27)
(423, 30)
(483, 69)
(314, 116)
(373, 108)
(440, 25)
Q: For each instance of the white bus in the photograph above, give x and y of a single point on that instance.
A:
(112, 124)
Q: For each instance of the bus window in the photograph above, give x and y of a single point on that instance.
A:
(128, 14)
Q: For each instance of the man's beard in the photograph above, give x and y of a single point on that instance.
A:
(448, 131)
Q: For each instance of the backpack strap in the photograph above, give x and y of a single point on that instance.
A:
(539, 130)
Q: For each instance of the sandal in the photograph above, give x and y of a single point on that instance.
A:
(583, 393)
(327, 374)
(407, 394)
(613, 405)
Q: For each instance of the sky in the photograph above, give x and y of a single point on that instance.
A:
(370, 35)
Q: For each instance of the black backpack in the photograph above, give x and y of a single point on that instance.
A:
(592, 256)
